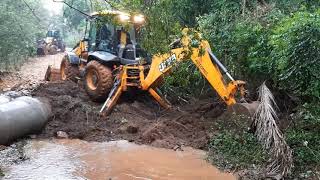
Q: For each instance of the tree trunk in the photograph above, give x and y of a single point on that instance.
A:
(244, 2)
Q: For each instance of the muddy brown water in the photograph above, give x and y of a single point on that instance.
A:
(116, 160)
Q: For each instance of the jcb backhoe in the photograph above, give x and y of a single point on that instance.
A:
(51, 44)
(110, 61)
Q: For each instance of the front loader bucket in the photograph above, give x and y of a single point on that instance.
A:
(247, 109)
(52, 74)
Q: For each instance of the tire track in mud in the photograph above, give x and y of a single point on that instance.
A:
(141, 120)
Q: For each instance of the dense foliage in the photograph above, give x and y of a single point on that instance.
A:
(273, 40)
(259, 40)
(268, 44)
(303, 136)
(19, 29)
(239, 149)
(296, 46)
(75, 21)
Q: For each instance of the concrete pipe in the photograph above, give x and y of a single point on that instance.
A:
(22, 116)
(4, 99)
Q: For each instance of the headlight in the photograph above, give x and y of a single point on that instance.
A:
(124, 17)
(138, 19)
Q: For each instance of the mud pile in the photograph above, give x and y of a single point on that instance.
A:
(141, 120)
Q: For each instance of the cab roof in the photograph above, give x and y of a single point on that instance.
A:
(122, 17)
(108, 12)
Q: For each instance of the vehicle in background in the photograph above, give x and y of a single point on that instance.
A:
(52, 44)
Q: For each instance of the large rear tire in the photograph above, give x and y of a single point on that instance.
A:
(69, 71)
(98, 80)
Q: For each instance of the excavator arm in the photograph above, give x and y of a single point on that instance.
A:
(206, 62)
(201, 55)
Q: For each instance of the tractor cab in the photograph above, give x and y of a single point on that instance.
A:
(112, 37)
(53, 34)
(54, 40)
(111, 40)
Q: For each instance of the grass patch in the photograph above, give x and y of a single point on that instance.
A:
(238, 149)
(304, 138)
(1, 173)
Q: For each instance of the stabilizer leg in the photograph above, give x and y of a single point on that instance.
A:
(113, 97)
(158, 98)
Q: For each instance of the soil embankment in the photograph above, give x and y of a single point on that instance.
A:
(136, 118)
(141, 121)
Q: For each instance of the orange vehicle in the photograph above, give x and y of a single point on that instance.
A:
(111, 61)
(134, 75)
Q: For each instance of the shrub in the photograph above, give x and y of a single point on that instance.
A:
(185, 81)
(19, 30)
(296, 47)
(240, 149)
(304, 138)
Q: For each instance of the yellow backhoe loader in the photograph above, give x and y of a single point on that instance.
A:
(51, 44)
(110, 61)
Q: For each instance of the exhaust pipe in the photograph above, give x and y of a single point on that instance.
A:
(22, 116)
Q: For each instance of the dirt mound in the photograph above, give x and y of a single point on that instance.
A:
(141, 121)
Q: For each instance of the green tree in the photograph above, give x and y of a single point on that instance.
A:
(73, 17)
(20, 25)
(296, 46)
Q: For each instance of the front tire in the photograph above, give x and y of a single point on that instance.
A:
(68, 71)
(40, 52)
(98, 80)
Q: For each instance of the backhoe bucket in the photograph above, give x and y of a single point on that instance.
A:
(247, 109)
(52, 74)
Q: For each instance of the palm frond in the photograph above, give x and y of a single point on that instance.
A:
(268, 133)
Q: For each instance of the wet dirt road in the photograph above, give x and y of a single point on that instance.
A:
(117, 160)
(31, 73)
